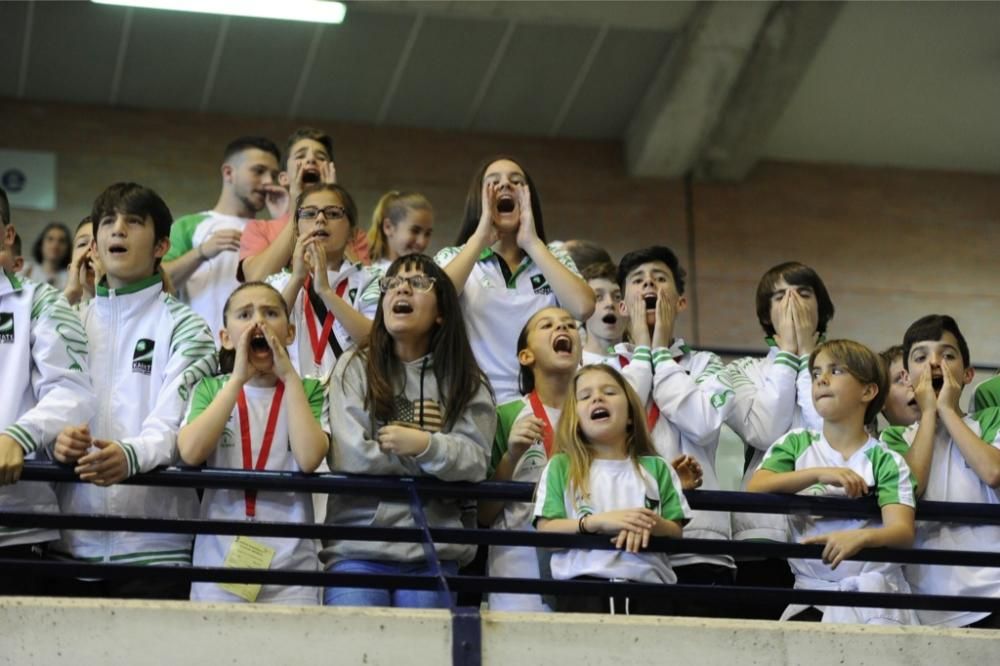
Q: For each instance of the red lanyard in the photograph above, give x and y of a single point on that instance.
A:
(539, 409)
(653, 415)
(318, 340)
(265, 447)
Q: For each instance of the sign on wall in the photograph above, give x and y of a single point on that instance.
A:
(29, 178)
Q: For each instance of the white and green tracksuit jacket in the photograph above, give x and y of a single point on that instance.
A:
(44, 387)
(773, 396)
(693, 397)
(147, 352)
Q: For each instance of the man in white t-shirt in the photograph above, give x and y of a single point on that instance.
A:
(204, 247)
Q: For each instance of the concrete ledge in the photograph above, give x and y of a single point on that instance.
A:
(46, 631)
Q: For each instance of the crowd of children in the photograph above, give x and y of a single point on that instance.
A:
(302, 343)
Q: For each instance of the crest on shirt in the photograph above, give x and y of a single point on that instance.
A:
(540, 284)
(652, 503)
(142, 357)
(6, 327)
(227, 440)
(351, 294)
(423, 414)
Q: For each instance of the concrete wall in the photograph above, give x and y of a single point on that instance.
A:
(891, 244)
(50, 632)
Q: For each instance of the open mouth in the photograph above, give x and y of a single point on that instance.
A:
(402, 307)
(610, 319)
(650, 301)
(117, 249)
(310, 176)
(600, 414)
(937, 383)
(258, 343)
(563, 344)
(505, 204)
(912, 403)
(321, 233)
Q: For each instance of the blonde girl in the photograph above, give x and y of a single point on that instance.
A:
(607, 479)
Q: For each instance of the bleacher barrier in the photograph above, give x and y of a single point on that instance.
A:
(466, 621)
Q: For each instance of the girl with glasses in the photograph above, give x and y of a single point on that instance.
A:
(409, 401)
(331, 300)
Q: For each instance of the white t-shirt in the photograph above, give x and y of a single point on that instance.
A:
(951, 479)
(884, 471)
(225, 504)
(361, 292)
(211, 284)
(614, 485)
(496, 309)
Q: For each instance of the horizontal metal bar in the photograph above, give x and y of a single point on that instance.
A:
(483, 537)
(397, 488)
(723, 594)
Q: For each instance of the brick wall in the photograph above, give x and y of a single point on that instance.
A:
(891, 244)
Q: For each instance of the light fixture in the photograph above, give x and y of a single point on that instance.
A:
(313, 11)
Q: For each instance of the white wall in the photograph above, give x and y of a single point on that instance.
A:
(102, 633)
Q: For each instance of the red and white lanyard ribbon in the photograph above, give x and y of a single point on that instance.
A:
(265, 446)
(317, 339)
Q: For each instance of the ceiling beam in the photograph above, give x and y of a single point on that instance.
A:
(306, 70)
(792, 35)
(22, 70)
(397, 74)
(690, 90)
(116, 76)
(578, 81)
(213, 64)
(627, 14)
(491, 71)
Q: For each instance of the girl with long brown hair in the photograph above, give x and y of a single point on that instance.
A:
(410, 401)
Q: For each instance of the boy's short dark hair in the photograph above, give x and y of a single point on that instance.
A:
(602, 270)
(933, 327)
(661, 253)
(237, 146)
(891, 354)
(133, 199)
(863, 364)
(316, 135)
(4, 209)
(585, 252)
(796, 275)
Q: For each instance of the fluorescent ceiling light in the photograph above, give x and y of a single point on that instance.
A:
(313, 11)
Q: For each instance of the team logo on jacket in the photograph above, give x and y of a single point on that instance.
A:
(539, 284)
(652, 504)
(142, 357)
(6, 327)
(351, 295)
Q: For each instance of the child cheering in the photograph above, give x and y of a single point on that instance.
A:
(280, 422)
(607, 479)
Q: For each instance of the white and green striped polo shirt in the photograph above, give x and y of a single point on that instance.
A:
(952, 479)
(497, 306)
(614, 485)
(885, 472)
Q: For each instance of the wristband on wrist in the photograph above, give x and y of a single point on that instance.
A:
(581, 525)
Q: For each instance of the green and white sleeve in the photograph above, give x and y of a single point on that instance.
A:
(59, 374)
